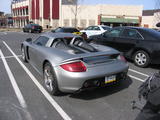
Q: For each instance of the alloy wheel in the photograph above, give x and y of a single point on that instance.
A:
(48, 79)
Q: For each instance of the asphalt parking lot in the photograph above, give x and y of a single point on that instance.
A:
(22, 96)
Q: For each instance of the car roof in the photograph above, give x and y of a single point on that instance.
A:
(59, 35)
(103, 25)
(68, 27)
(132, 27)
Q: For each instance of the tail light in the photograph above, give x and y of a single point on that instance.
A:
(74, 67)
(121, 57)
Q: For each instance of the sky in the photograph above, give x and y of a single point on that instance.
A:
(148, 4)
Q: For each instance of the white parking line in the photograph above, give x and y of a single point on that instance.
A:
(13, 82)
(139, 72)
(10, 56)
(15, 87)
(3, 33)
(45, 93)
(136, 78)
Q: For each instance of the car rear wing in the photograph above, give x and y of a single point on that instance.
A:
(112, 54)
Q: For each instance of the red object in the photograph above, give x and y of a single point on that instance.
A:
(33, 9)
(121, 57)
(46, 9)
(55, 9)
(37, 9)
(74, 67)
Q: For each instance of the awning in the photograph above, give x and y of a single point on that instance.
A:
(120, 20)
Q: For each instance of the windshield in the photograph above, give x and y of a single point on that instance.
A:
(70, 30)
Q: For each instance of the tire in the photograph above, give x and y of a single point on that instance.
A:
(23, 55)
(50, 80)
(141, 59)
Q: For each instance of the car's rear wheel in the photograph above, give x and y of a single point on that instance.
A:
(141, 58)
(23, 55)
(50, 80)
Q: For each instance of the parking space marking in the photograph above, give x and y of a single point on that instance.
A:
(15, 87)
(139, 72)
(13, 82)
(136, 78)
(3, 33)
(10, 56)
(63, 114)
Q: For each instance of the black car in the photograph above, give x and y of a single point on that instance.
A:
(70, 30)
(142, 45)
(32, 28)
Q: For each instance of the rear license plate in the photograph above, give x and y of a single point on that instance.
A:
(110, 79)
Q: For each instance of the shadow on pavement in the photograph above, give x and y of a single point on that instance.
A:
(101, 92)
(155, 67)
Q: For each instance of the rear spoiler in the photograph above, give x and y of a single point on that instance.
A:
(95, 54)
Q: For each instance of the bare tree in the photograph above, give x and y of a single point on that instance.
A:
(157, 10)
(75, 8)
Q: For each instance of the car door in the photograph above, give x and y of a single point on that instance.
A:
(108, 38)
(35, 53)
(96, 30)
(88, 31)
(128, 40)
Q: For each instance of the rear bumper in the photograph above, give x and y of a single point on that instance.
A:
(72, 82)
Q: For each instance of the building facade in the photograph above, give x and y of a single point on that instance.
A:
(111, 15)
(150, 18)
(54, 13)
(20, 12)
(2, 19)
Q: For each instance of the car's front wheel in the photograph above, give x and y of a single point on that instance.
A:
(50, 80)
(141, 58)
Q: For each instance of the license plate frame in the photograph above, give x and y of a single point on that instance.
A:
(110, 79)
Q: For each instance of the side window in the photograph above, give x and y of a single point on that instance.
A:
(41, 41)
(113, 33)
(89, 28)
(59, 30)
(96, 28)
(131, 33)
(28, 26)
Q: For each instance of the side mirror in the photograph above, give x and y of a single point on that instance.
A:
(29, 40)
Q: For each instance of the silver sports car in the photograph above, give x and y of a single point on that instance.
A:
(69, 64)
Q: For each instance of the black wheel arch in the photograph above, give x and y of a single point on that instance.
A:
(45, 61)
(26, 50)
(140, 49)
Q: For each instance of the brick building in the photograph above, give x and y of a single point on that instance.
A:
(56, 13)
